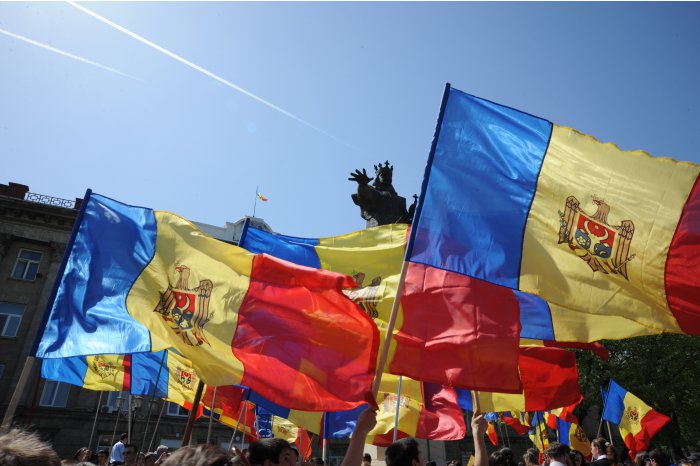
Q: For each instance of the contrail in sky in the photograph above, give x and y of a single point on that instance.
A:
(64, 53)
(208, 73)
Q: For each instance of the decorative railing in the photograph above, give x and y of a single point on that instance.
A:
(44, 199)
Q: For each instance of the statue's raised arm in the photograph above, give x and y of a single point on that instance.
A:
(379, 203)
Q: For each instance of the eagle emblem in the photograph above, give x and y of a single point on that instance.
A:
(185, 376)
(186, 310)
(633, 414)
(103, 368)
(580, 435)
(389, 402)
(366, 297)
(604, 247)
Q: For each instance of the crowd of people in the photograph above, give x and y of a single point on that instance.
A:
(22, 448)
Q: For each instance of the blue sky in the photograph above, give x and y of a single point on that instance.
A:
(365, 79)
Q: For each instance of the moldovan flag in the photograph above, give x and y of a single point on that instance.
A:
(608, 239)
(447, 332)
(163, 374)
(571, 434)
(426, 411)
(230, 407)
(538, 433)
(637, 421)
(138, 280)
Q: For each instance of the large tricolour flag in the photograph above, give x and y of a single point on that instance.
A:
(139, 280)
(608, 239)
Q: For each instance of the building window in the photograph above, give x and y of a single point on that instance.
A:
(55, 394)
(27, 265)
(175, 409)
(10, 317)
(118, 400)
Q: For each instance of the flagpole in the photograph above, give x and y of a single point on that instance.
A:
(153, 397)
(94, 424)
(255, 202)
(238, 422)
(398, 408)
(610, 433)
(30, 361)
(155, 428)
(605, 402)
(211, 415)
(245, 421)
(193, 413)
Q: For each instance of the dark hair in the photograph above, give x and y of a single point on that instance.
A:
(613, 457)
(530, 458)
(431, 463)
(577, 454)
(367, 457)
(600, 443)
(317, 460)
(267, 449)
(557, 451)
(295, 451)
(131, 445)
(198, 455)
(498, 458)
(123, 436)
(660, 457)
(402, 452)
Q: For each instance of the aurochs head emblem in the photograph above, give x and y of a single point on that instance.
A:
(604, 247)
(103, 368)
(633, 414)
(186, 310)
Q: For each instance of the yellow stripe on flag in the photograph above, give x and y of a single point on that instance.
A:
(211, 278)
(596, 178)
(105, 372)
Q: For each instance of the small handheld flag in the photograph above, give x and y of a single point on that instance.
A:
(261, 197)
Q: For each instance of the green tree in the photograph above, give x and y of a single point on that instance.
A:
(662, 370)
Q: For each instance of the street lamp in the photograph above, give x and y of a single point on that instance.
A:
(134, 404)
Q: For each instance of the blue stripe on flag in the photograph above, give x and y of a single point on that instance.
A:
(481, 184)
(298, 250)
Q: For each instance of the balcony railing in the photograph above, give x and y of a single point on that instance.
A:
(44, 199)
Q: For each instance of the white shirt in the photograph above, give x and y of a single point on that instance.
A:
(118, 452)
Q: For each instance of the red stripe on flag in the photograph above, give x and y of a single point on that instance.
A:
(682, 277)
(550, 378)
(458, 331)
(297, 332)
(441, 417)
(651, 423)
(126, 384)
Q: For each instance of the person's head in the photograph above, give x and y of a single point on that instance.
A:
(161, 449)
(367, 458)
(199, 455)
(271, 451)
(611, 453)
(530, 458)
(577, 458)
(102, 457)
(404, 452)
(498, 458)
(123, 438)
(659, 457)
(21, 448)
(430, 463)
(130, 454)
(83, 454)
(150, 459)
(598, 447)
(557, 452)
(317, 461)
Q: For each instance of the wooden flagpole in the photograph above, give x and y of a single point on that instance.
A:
(193, 413)
(211, 415)
(94, 424)
(398, 407)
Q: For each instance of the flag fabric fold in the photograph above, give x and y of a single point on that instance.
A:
(139, 280)
(605, 239)
(638, 422)
(449, 330)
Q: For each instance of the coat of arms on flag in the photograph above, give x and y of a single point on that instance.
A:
(604, 247)
(186, 310)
